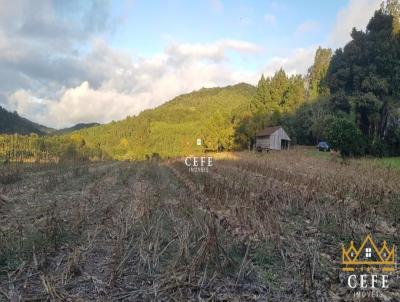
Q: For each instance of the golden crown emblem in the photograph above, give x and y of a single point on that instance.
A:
(368, 257)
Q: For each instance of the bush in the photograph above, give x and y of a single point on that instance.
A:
(345, 136)
(73, 154)
(393, 140)
(378, 148)
(155, 157)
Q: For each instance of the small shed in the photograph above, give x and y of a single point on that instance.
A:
(272, 138)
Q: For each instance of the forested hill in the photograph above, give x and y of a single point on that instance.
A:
(172, 128)
(76, 127)
(13, 123)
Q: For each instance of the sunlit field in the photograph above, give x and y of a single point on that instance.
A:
(387, 162)
(256, 227)
(390, 162)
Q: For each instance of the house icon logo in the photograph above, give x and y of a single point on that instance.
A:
(369, 257)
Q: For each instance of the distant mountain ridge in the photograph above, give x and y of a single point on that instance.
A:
(76, 127)
(12, 122)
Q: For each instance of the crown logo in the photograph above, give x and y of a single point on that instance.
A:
(368, 257)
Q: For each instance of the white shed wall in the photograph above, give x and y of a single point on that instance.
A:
(274, 141)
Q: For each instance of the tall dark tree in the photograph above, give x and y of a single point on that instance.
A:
(365, 74)
(316, 76)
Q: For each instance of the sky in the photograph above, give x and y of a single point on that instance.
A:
(66, 62)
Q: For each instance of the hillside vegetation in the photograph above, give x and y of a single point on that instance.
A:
(358, 109)
(169, 130)
(172, 129)
(76, 128)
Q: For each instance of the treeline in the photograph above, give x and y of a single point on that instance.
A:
(274, 97)
(352, 97)
(33, 148)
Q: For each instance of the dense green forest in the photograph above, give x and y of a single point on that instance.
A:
(350, 97)
(357, 104)
(275, 96)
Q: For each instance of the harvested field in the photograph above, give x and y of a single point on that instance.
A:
(256, 227)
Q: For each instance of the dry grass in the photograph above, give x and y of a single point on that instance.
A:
(257, 227)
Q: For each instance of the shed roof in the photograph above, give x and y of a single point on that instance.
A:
(268, 131)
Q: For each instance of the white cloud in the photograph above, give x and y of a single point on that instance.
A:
(125, 85)
(212, 51)
(24, 102)
(118, 84)
(60, 80)
(356, 14)
(296, 62)
(85, 104)
(306, 27)
(270, 19)
(78, 104)
(239, 45)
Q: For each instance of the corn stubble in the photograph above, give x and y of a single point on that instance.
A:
(255, 228)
